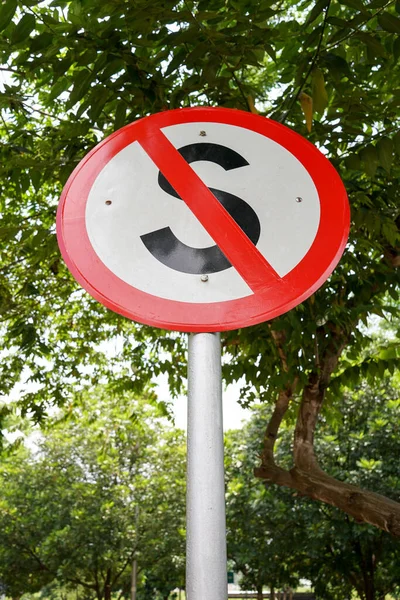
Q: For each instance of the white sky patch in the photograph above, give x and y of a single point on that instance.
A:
(234, 415)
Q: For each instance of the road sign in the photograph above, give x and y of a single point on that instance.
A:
(203, 219)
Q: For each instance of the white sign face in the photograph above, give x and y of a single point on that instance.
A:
(126, 202)
(203, 219)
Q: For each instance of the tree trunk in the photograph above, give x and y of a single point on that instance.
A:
(272, 594)
(306, 476)
(259, 593)
(107, 586)
(370, 593)
(369, 585)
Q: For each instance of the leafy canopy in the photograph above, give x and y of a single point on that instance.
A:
(76, 71)
(105, 486)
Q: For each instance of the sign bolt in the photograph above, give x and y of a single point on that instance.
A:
(108, 202)
(299, 199)
(204, 278)
(202, 133)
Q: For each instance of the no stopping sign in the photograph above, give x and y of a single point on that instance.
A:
(203, 219)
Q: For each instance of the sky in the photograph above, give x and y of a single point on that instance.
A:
(233, 414)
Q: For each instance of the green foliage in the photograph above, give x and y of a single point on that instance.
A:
(74, 71)
(77, 71)
(106, 484)
(276, 537)
(260, 525)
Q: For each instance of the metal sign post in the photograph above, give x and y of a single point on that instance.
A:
(206, 570)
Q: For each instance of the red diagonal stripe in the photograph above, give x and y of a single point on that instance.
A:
(224, 230)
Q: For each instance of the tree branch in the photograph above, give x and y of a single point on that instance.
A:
(120, 572)
(282, 402)
(271, 432)
(357, 29)
(362, 505)
(307, 477)
(311, 404)
(279, 337)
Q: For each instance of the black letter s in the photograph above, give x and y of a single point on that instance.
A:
(166, 247)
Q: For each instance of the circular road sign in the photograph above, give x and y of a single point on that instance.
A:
(203, 219)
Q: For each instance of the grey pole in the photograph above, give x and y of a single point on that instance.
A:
(206, 569)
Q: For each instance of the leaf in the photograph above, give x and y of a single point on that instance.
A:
(319, 94)
(337, 66)
(210, 70)
(177, 61)
(390, 232)
(98, 98)
(250, 102)
(353, 162)
(23, 28)
(259, 53)
(368, 464)
(28, 336)
(396, 141)
(312, 39)
(81, 86)
(396, 48)
(100, 63)
(58, 88)
(377, 3)
(7, 11)
(338, 22)
(356, 4)
(389, 22)
(369, 156)
(120, 115)
(385, 153)
(306, 103)
(199, 52)
(338, 35)
(36, 179)
(41, 41)
(270, 51)
(372, 42)
(113, 67)
(316, 11)
(75, 8)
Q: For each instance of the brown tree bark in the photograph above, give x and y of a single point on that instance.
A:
(306, 476)
(107, 586)
(311, 481)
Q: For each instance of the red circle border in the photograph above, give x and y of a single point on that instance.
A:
(300, 283)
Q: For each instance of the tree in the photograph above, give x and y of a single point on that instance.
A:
(77, 71)
(276, 533)
(366, 435)
(260, 524)
(68, 511)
